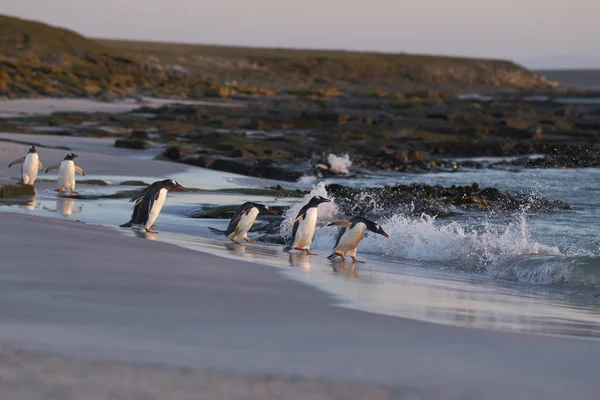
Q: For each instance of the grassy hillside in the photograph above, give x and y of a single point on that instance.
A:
(37, 59)
(342, 69)
(16, 33)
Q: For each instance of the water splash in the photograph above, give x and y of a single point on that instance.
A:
(339, 164)
(502, 249)
(306, 182)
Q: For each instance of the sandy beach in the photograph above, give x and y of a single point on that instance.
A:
(93, 295)
(89, 313)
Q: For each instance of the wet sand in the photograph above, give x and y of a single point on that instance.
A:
(92, 162)
(45, 106)
(91, 294)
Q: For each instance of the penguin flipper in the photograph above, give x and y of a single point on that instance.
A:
(80, 170)
(217, 231)
(139, 197)
(40, 166)
(57, 166)
(19, 161)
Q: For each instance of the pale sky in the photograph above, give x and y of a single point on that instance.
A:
(535, 33)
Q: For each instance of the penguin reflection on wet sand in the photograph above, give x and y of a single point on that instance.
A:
(149, 203)
(31, 166)
(242, 221)
(305, 224)
(66, 173)
(351, 234)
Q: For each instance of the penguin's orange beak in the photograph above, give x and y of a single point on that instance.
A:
(272, 211)
(178, 186)
(382, 233)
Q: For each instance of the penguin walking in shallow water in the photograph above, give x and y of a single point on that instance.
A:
(353, 231)
(66, 173)
(242, 221)
(149, 203)
(31, 166)
(305, 224)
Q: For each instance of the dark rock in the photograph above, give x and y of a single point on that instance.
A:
(172, 153)
(270, 169)
(135, 144)
(139, 135)
(417, 199)
(8, 191)
(133, 183)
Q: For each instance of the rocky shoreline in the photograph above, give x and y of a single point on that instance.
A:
(285, 138)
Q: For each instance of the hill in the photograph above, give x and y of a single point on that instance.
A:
(37, 59)
(342, 69)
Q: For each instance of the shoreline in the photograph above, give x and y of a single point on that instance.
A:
(157, 303)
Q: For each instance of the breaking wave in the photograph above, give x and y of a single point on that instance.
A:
(504, 251)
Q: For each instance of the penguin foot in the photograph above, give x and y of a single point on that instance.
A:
(234, 241)
(150, 230)
(310, 253)
(249, 240)
(61, 190)
(355, 260)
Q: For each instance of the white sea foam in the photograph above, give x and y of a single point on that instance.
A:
(425, 239)
(306, 182)
(505, 251)
(339, 164)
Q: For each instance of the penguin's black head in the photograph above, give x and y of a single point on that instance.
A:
(264, 209)
(33, 149)
(316, 200)
(172, 184)
(373, 227)
(71, 156)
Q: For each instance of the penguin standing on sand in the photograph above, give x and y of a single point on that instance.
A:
(30, 167)
(66, 173)
(351, 234)
(149, 203)
(305, 224)
(242, 221)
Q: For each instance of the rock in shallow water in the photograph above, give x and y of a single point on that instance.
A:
(8, 191)
(417, 199)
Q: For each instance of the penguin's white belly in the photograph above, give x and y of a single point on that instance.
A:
(66, 175)
(245, 223)
(306, 230)
(156, 207)
(30, 168)
(349, 241)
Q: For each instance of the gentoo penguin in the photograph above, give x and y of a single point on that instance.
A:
(305, 224)
(242, 221)
(350, 236)
(149, 203)
(66, 173)
(31, 166)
